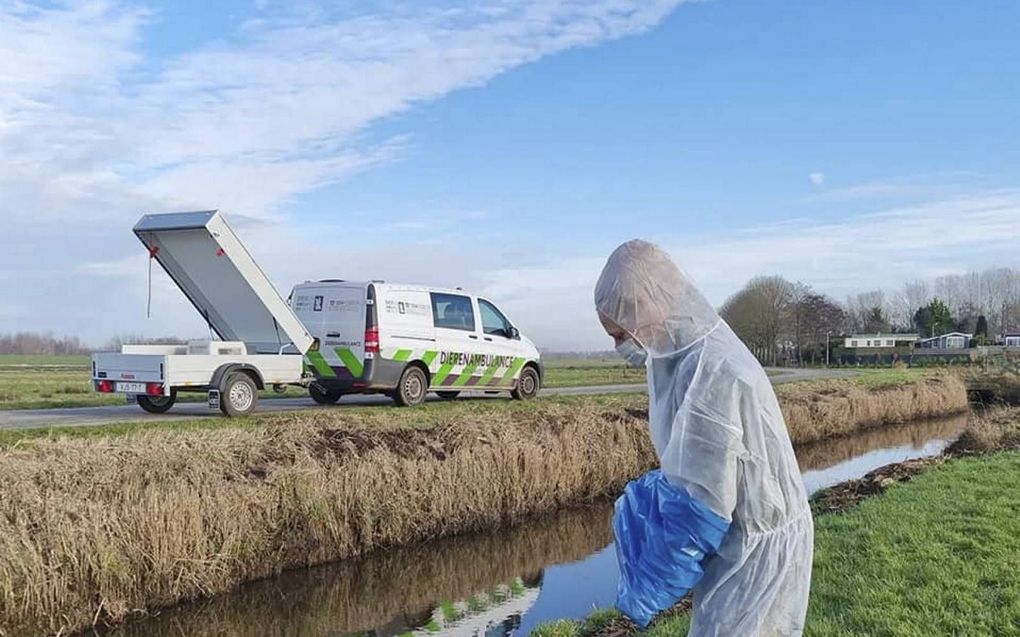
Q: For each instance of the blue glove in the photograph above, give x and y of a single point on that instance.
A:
(662, 536)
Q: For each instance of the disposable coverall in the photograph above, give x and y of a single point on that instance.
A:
(721, 440)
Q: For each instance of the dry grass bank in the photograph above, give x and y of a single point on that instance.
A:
(823, 409)
(95, 528)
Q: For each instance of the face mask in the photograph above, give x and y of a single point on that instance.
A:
(633, 353)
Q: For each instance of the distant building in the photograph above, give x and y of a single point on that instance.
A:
(1010, 339)
(884, 341)
(952, 340)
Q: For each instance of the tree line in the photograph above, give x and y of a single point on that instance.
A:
(790, 322)
(42, 344)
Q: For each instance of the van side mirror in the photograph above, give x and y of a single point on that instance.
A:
(513, 332)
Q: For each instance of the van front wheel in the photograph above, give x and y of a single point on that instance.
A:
(412, 387)
(527, 385)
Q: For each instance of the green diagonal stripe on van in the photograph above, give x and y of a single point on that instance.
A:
(322, 368)
(489, 373)
(441, 375)
(350, 361)
(468, 372)
(511, 373)
(428, 357)
(402, 355)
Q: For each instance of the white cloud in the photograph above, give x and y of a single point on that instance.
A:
(859, 253)
(817, 178)
(93, 133)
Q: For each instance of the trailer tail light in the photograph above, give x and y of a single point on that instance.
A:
(104, 386)
(372, 340)
(154, 389)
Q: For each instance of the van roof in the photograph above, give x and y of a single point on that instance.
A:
(391, 286)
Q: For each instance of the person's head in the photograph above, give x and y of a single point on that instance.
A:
(647, 304)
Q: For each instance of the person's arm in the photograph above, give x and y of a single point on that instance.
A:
(670, 520)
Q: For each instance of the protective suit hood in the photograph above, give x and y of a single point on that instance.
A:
(643, 292)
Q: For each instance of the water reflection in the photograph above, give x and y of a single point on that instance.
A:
(830, 462)
(470, 586)
(494, 585)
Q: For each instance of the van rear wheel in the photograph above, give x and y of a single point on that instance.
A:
(411, 390)
(528, 385)
(323, 396)
(156, 404)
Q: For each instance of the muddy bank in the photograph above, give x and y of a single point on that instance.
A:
(996, 430)
(92, 529)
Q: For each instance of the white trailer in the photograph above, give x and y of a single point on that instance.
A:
(262, 342)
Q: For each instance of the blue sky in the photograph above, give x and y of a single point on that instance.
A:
(506, 146)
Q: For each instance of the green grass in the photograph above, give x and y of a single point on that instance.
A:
(892, 377)
(567, 372)
(21, 360)
(43, 382)
(939, 555)
(422, 417)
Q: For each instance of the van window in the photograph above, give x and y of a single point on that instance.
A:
(493, 321)
(453, 311)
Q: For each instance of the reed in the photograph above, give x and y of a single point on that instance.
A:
(93, 529)
(825, 409)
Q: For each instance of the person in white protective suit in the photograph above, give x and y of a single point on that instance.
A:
(720, 437)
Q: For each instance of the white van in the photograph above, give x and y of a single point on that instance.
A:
(405, 340)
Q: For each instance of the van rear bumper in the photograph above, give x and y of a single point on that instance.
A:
(379, 374)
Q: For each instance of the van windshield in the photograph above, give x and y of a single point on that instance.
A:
(493, 321)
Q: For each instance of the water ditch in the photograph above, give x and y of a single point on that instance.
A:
(493, 585)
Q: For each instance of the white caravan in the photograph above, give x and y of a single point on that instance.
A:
(262, 344)
(406, 340)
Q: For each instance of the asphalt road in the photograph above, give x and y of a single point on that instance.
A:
(81, 416)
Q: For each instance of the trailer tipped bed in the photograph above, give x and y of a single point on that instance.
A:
(263, 341)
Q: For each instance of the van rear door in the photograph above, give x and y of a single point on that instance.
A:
(335, 314)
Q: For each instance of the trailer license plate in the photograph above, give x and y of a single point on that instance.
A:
(131, 388)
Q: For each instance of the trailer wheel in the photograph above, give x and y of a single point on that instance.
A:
(447, 395)
(238, 395)
(323, 396)
(527, 385)
(412, 387)
(156, 404)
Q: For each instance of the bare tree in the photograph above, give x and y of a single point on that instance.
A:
(33, 343)
(757, 312)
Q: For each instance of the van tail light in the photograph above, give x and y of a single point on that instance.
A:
(104, 386)
(372, 340)
(154, 389)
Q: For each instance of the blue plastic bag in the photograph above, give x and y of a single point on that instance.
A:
(662, 536)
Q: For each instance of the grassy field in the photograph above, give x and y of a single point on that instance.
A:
(39, 382)
(939, 555)
(565, 372)
(427, 416)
